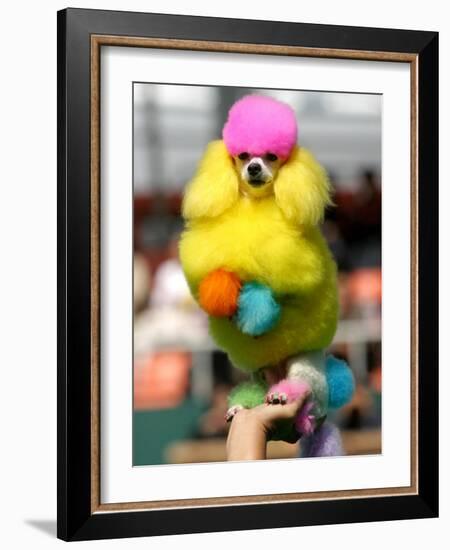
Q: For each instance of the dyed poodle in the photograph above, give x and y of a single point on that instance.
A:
(257, 263)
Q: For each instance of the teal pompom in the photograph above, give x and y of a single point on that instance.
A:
(258, 312)
(341, 384)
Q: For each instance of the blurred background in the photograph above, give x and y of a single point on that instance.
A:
(181, 380)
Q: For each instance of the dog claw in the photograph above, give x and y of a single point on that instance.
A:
(276, 398)
(232, 411)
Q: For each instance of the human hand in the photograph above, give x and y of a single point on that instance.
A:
(250, 428)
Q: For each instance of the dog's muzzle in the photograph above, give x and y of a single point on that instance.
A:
(255, 172)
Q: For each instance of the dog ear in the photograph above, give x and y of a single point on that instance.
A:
(302, 188)
(214, 187)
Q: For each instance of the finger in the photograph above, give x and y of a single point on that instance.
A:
(279, 412)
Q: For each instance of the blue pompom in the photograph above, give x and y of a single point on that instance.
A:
(258, 312)
(341, 384)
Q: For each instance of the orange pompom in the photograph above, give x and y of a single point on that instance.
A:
(218, 293)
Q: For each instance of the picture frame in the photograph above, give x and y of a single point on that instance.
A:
(81, 36)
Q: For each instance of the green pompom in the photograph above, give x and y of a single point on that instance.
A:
(248, 394)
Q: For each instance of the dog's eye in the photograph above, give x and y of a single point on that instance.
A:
(243, 156)
(271, 157)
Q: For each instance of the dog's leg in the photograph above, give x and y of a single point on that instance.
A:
(218, 293)
(325, 441)
(246, 396)
(305, 373)
(258, 312)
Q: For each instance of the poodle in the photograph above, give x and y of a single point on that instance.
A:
(257, 263)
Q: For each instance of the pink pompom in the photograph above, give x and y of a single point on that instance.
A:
(258, 125)
(305, 422)
(292, 389)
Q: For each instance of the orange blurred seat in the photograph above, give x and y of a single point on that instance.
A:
(364, 286)
(161, 380)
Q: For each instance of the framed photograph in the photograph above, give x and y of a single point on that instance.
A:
(247, 274)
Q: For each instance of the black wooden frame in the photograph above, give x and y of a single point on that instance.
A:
(75, 520)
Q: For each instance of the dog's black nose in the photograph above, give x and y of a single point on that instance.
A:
(254, 169)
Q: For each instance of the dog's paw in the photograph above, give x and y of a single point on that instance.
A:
(218, 293)
(258, 311)
(232, 411)
(287, 391)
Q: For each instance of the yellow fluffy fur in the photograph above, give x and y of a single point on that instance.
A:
(302, 189)
(215, 187)
(273, 240)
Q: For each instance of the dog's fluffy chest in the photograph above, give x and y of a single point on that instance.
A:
(251, 224)
(252, 234)
(254, 240)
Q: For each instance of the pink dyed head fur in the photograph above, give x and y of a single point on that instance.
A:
(258, 125)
